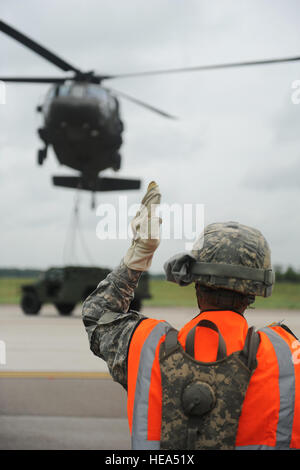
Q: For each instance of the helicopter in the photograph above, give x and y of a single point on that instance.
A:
(82, 118)
(81, 122)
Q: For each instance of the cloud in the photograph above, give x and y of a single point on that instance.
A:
(285, 176)
(233, 148)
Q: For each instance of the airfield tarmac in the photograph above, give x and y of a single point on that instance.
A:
(55, 394)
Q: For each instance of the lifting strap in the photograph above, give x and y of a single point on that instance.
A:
(190, 340)
(249, 350)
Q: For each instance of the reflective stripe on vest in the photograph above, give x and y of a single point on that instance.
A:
(286, 392)
(139, 435)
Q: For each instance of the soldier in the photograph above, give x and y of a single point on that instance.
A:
(215, 384)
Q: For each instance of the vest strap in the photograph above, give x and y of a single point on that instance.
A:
(250, 347)
(171, 343)
(192, 432)
(190, 339)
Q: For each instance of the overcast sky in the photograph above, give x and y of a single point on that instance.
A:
(235, 147)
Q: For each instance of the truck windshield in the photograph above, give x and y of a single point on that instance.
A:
(54, 274)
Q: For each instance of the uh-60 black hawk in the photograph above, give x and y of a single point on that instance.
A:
(82, 120)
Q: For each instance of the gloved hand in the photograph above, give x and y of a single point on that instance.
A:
(145, 226)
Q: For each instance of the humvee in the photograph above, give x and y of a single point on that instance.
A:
(66, 286)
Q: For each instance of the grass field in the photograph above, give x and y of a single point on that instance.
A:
(167, 294)
(10, 291)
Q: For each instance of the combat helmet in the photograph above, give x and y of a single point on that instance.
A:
(229, 256)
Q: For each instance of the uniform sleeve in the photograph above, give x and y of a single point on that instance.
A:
(108, 322)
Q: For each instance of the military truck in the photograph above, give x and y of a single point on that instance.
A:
(66, 286)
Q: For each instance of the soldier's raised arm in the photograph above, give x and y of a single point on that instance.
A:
(105, 314)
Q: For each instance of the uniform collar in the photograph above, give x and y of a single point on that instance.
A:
(220, 310)
(213, 314)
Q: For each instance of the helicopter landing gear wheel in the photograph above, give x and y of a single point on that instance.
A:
(30, 303)
(42, 154)
(65, 309)
(116, 162)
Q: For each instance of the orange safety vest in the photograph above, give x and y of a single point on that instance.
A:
(270, 417)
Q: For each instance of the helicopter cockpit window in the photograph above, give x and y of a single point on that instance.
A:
(112, 103)
(97, 91)
(48, 99)
(64, 90)
(103, 98)
(78, 91)
(51, 93)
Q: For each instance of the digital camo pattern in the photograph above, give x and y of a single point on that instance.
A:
(107, 321)
(233, 243)
(215, 430)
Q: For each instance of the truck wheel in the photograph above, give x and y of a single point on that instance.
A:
(30, 303)
(65, 309)
(136, 304)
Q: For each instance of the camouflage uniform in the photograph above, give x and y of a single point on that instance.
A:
(108, 322)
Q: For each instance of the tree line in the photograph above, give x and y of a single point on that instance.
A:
(288, 274)
(16, 272)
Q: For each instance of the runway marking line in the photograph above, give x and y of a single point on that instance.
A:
(54, 375)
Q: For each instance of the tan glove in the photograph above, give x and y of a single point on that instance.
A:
(145, 226)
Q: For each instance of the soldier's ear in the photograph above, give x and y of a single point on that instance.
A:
(198, 295)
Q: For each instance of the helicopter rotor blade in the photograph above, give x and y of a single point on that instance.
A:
(34, 79)
(37, 48)
(199, 68)
(140, 103)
